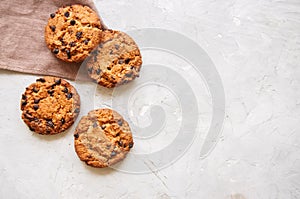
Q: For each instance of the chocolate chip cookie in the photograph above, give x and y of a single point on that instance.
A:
(116, 61)
(50, 105)
(102, 138)
(73, 32)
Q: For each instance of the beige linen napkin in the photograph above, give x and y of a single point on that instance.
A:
(22, 44)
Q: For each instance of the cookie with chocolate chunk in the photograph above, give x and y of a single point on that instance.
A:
(102, 138)
(116, 61)
(50, 105)
(73, 32)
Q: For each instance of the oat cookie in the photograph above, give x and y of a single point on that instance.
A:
(116, 61)
(73, 32)
(102, 138)
(50, 105)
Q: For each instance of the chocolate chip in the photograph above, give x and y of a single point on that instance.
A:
(76, 110)
(63, 43)
(50, 123)
(108, 68)
(29, 116)
(58, 81)
(120, 143)
(41, 80)
(76, 135)
(78, 35)
(72, 44)
(24, 103)
(121, 61)
(35, 107)
(67, 14)
(98, 71)
(52, 15)
(128, 74)
(24, 97)
(55, 51)
(120, 122)
(62, 121)
(90, 70)
(53, 28)
(117, 46)
(111, 52)
(35, 90)
(131, 67)
(95, 125)
(30, 128)
(50, 92)
(127, 61)
(118, 134)
(103, 127)
(86, 41)
(48, 131)
(95, 58)
(130, 145)
(72, 22)
(65, 90)
(113, 153)
(36, 101)
(68, 54)
(69, 95)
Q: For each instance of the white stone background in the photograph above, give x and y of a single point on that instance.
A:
(255, 46)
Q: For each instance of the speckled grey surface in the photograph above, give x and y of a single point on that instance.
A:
(255, 46)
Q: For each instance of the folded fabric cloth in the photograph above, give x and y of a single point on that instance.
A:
(22, 43)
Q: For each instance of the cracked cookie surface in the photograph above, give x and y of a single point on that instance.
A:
(102, 138)
(116, 61)
(50, 105)
(73, 32)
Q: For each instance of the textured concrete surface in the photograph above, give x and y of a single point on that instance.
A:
(255, 45)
